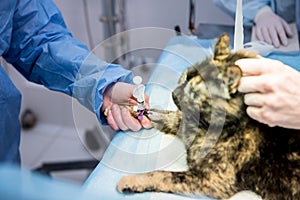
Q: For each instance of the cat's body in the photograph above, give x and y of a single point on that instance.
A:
(227, 152)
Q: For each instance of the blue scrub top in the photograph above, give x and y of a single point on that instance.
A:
(289, 10)
(35, 40)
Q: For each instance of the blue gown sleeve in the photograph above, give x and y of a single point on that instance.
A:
(43, 50)
(250, 8)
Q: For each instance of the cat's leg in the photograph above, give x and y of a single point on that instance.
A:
(159, 181)
(166, 121)
(171, 182)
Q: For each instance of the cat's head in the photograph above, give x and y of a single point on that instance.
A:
(212, 84)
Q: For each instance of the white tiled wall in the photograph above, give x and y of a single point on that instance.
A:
(140, 13)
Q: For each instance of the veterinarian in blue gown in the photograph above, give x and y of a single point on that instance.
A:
(270, 17)
(35, 40)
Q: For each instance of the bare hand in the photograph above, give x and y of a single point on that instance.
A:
(273, 92)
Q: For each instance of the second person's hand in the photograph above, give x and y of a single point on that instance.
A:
(271, 28)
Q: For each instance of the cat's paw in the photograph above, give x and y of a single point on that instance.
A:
(128, 185)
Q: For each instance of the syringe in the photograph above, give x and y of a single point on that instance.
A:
(138, 93)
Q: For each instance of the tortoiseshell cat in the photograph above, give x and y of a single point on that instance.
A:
(227, 152)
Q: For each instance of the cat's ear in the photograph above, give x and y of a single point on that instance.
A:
(222, 47)
(233, 76)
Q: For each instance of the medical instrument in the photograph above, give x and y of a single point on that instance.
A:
(238, 30)
(138, 93)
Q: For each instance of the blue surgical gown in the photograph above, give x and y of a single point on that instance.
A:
(35, 40)
(289, 10)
